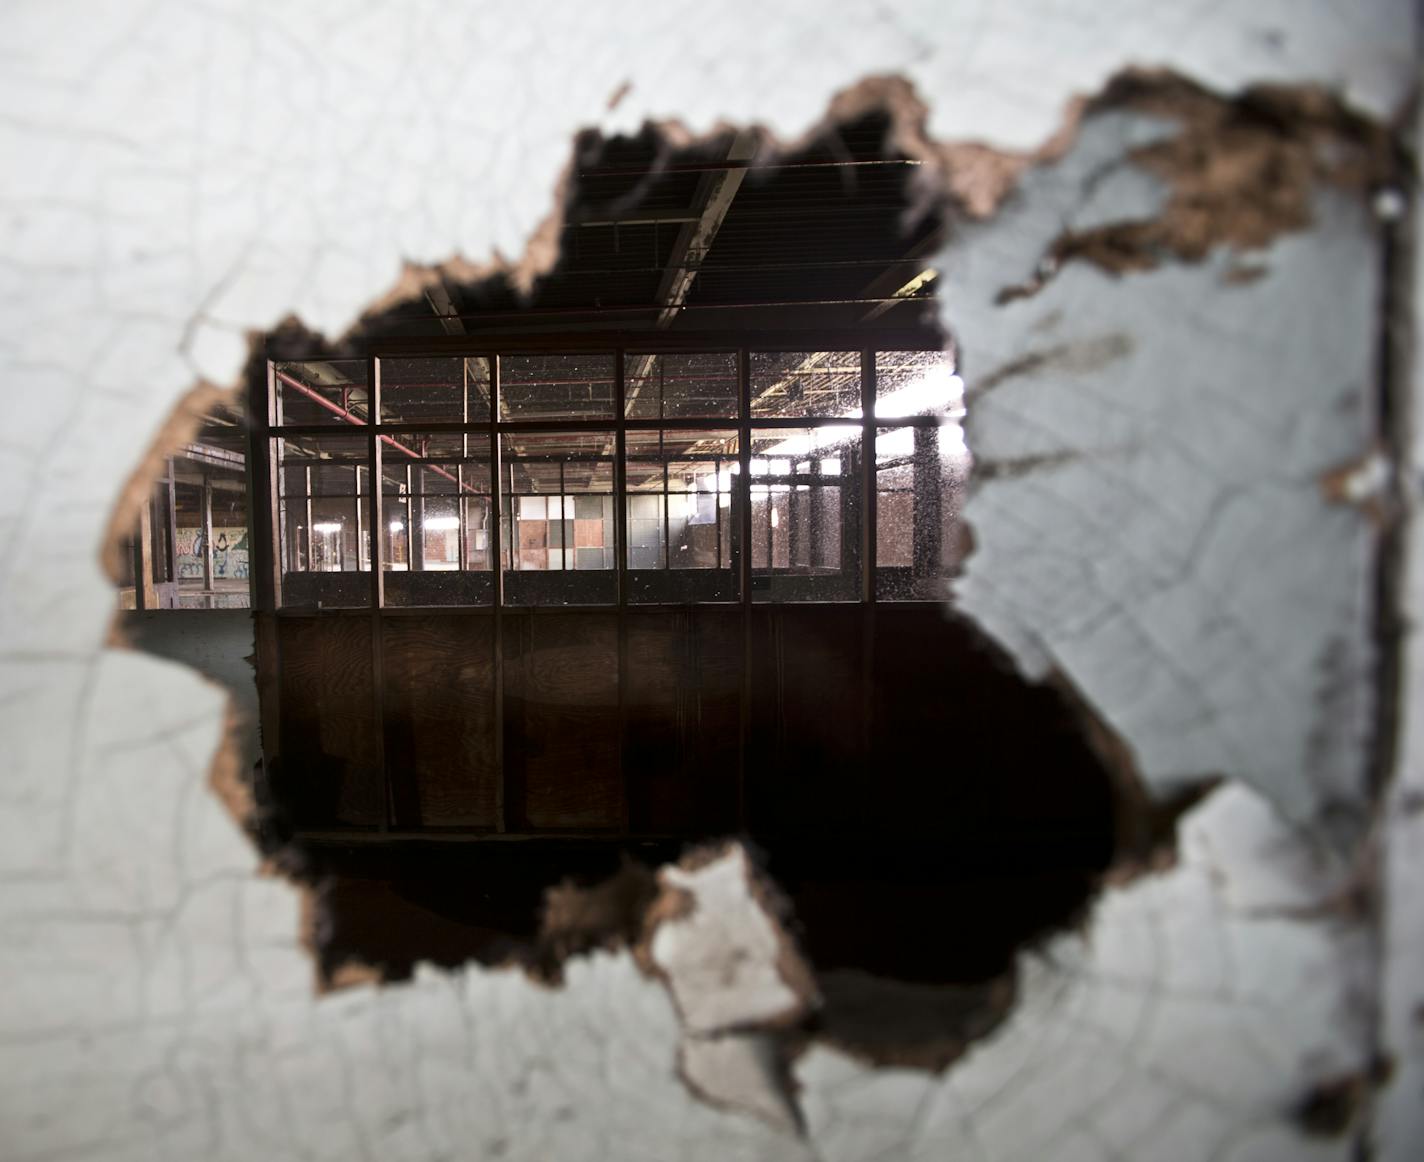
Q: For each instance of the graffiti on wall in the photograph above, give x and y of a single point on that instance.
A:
(229, 554)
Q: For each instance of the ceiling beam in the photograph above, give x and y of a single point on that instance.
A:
(715, 194)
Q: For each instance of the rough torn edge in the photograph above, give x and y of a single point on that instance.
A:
(1239, 172)
(675, 903)
(975, 177)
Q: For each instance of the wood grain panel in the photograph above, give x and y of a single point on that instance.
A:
(330, 771)
(439, 709)
(806, 766)
(561, 720)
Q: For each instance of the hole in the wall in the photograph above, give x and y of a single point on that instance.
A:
(504, 727)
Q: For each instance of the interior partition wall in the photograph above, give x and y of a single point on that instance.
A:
(594, 585)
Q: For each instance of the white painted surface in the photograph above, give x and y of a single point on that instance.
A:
(1174, 553)
(177, 174)
(723, 957)
(1400, 1127)
(1183, 1025)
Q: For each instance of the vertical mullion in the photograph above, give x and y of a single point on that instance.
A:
(867, 549)
(620, 552)
(463, 536)
(867, 489)
(360, 519)
(378, 590)
(307, 508)
(267, 573)
(620, 482)
(667, 515)
(744, 569)
(207, 519)
(170, 563)
(793, 533)
(496, 557)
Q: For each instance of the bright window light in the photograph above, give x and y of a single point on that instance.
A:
(442, 523)
(397, 526)
(937, 390)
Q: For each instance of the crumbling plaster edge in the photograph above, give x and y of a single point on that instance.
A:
(993, 175)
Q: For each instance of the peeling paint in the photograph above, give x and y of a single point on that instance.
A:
(184, 176)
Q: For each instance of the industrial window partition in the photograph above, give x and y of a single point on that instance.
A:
(190, 546)
(476, 489)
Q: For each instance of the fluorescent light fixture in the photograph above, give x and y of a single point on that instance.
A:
(442, 523)
(327, 526)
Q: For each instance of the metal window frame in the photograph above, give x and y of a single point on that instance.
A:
(401, 815)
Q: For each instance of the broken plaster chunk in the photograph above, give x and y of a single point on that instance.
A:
(744, 1072)
(727, 960)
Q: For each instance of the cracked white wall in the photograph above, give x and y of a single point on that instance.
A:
(177, 175)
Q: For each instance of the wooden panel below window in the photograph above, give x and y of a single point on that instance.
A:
(561, 721)
(683, 707)
(439, 705)
(805, 764)
(330, 747)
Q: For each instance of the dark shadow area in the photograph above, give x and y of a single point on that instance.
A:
(985, 824)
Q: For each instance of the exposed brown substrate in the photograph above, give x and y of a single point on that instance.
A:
(1239, 172)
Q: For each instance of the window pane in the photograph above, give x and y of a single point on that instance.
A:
(805, 502)
(916, 383)
(681, 386)
(322, 391)
(323, 506)
(444, 389)
(435, 513)
(920, 475)
(805, 383)
(228, 586)
(681, 516)
(216, 460)
(536, 387)
(557, 544)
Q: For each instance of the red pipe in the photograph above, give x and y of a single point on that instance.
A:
(352, 418)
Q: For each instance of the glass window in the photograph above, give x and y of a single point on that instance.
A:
(322, 391)
(920, 475)
(323, 509)
(693, 386)
(549, 387)
(681, 516)
(557, 535)
(443, 389)
(805, 383)
(805, 510)
(435, 517)
(916, 383)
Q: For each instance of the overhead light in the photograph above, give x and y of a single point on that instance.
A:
(442, 522)
(937, 390)
(327, 526)
(397, 526)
